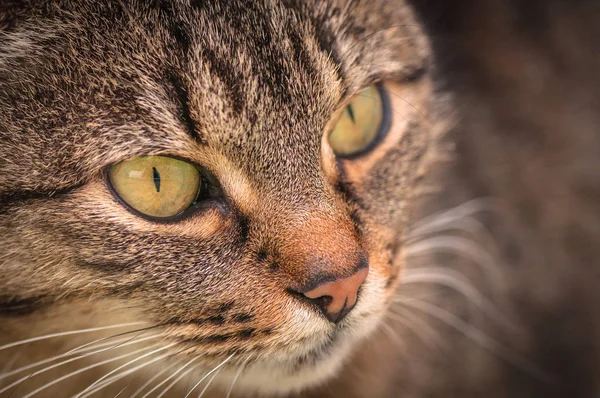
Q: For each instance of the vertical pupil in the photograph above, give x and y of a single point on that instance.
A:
(351, 113)
(156, 178)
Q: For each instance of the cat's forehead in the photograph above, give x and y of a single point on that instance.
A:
(102, 81)
(282, 49)
(260, 59)
(264, 63)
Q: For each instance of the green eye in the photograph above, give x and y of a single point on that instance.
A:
(156, 186)
(359, 125)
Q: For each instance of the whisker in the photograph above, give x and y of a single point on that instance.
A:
(54, 358)
(167, 388)
(156, 387)
(122, 366)
(387, 329)
(457, 245)
(456, 281)
(444, 217)
(9, 364)
(71, 332)
(55, 381)
(120, 392)
(37, 372)
(466, 224)
(419, 111)
(208, 374)
(237, 375)
(479, 337)
(419, 327)
(141, 330)
(156, 376)
(208, 384)
(123, 374)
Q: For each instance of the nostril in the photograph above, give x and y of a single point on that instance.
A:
(322, 302)
(336, 298)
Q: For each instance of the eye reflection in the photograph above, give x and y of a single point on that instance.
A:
(156, 186)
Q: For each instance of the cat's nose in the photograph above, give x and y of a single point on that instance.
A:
(324, 262)
(337, 298)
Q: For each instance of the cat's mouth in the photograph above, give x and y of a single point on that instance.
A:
(286, 367)
(311, 365)
(308, 351)
(318, 353)
(343, 338)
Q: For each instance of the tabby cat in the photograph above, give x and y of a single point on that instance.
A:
(231, 198)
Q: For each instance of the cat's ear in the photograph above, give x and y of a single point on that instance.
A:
(11, 11)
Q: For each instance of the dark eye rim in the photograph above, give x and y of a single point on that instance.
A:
(205, 198)
(384, 127)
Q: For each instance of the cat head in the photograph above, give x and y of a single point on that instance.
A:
(276, 247)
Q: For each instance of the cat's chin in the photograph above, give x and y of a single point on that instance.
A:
(313, 367)
(315, 364)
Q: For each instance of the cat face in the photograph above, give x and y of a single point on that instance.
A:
(247, 94)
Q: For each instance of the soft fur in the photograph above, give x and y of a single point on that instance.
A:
(481, 299)
(246, 90)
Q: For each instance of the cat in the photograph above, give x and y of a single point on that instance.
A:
(287, 198)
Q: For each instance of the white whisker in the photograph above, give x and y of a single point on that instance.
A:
(478, 336)
(9, 364)
(122, 366)
(208, 384)
(181, 376)
(419, 327)
(142, 331)
(120, 392)
(123, 374)
(69, 353)
(37, 372)
(445, 217)
(208, 374)
(156, 376)
(170, 377)
(421, 113)
(468, 224)
(387, 329)
(237, 375)
(55, 381)
(71, 332)
(458, 245)
(456, 281)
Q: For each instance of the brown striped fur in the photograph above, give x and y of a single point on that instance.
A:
(492, 100)
(246, 90)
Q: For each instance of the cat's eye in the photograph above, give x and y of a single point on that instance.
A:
(156, 186)
(361, 123)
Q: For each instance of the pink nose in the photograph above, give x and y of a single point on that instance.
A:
(337, 298)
